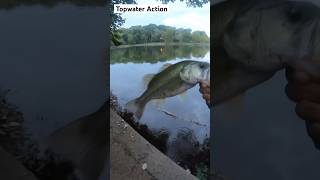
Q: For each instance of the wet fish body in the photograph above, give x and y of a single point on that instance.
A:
(253, 39)
(83, 142)
(173, 80)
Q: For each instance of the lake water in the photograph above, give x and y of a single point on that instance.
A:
(191, 126)
(52, 59)
(263, 138)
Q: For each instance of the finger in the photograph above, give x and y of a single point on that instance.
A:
(204, 84)
(297, 76)
(208, 103)
(206, 97)
(204, 90)
(291, 93)
(298, 92)
(314, 131)
(289, 72)
(308, 65)
(308, 111)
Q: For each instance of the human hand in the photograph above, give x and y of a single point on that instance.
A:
(205, 91)
(305, 91)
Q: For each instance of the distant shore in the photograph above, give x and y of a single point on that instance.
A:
(159, 44)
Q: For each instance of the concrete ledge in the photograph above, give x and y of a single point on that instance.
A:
(133, 157)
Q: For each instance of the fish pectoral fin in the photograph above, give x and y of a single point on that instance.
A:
(236, 82)
(183, 96)
(231, 79)
(159, 102)
(148, 77)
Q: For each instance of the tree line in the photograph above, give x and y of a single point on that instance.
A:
(117, 21)
(160, 33)
(155, 54)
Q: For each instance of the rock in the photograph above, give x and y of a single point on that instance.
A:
(144, 166)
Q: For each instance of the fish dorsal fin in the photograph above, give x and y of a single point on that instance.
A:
(148, 77)
(231, 79)
(164, 66)
(146, 80)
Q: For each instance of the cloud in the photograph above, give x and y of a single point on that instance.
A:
(179, 16)
(190, 20)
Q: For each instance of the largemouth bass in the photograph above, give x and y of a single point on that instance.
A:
(84, 143)
(253, 39)
(171, 81)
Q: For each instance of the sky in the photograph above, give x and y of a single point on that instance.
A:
(179, 16)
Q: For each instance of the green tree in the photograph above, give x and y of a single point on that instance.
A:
(152, 33)
(169, 34)
(192, 3)
(186, 35)
(199, 36)
(117, 20)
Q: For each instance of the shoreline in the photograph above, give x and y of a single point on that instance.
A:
(197, 164)
(158, 44)
(24, 155)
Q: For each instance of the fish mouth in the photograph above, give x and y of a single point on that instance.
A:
(308, 50)
(206, 75)
(314, 38)
(310, 61)
(188, 75)
(308, 38)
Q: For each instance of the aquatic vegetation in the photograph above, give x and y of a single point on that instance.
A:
(191, 152)
(14, 138)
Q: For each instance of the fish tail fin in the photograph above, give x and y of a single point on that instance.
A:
(136, 106)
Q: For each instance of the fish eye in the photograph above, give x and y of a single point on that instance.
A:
(202, 65)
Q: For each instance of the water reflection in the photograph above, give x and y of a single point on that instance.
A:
(184, 148)
(54, 73)
(53, 68)
(154, 54)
